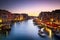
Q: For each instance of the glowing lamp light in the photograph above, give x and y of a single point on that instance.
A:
(51, 19)
(0, 20)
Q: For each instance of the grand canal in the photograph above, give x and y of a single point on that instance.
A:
(25, 30)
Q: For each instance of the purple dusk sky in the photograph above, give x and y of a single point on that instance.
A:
(31, 7)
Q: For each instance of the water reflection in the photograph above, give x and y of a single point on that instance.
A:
(54, 37)
(5, 29)
(25, 30)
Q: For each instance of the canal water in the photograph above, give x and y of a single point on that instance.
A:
(25, 30)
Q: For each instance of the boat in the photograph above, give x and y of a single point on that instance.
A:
(57, 34)
(41, 32)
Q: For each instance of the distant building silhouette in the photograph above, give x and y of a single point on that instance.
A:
(47, 16)
(7, 16)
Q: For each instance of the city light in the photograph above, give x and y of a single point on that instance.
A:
(29, 19)
(0, 20)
